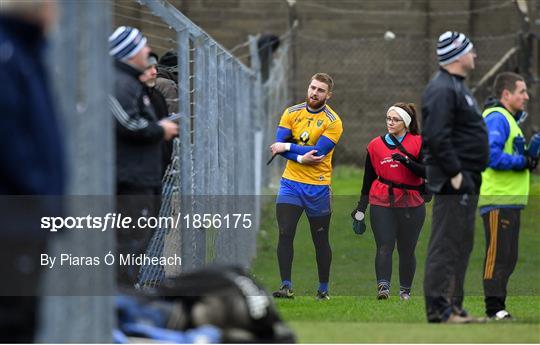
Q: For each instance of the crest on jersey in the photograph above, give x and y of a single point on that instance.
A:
(304, 137)
(319, 123)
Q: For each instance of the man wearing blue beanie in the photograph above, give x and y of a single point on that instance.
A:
(456, 151)
(139, 137)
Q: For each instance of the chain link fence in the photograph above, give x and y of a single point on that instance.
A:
(372, 70)
(372, 74)
(276, 97)
(217, 164)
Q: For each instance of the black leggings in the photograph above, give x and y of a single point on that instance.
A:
(401, 226)
(288, 216)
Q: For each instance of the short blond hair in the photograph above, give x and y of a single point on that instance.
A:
(324, 78)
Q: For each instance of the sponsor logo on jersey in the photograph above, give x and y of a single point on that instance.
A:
(304, 137)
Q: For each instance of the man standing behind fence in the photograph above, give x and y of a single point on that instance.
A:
(167, 79)
(505, 188)
(455, 140)
(305, 185)
(139, 135)
(158, 102)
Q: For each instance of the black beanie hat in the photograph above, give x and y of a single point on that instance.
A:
(169, 59)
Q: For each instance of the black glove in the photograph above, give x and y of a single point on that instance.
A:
(359, 226)
(532, 162)
(417, 168)
(398, 157)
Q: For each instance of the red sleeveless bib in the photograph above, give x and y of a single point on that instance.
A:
(389, 170)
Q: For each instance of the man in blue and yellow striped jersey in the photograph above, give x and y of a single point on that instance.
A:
(305, 184)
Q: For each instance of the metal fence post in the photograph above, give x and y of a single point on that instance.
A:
(82, 69)
(258, 137)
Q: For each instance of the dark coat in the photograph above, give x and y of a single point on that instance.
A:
(160, 107)
(454, 132)
(166, 83)
(138, 134)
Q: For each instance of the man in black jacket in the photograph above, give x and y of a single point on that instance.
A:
(139, 135)
(456, 151)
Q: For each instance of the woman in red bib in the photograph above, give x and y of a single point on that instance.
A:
(393, 186)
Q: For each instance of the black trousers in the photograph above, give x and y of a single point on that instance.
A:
(18, 318)
(396, 227)
(134, 201)
(450, 245)
(502, 234)
(288, 216)
(20, 291)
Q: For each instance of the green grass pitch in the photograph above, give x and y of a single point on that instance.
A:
(353, 315)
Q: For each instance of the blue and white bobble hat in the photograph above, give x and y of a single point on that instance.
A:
(126, 42)
(451, 46)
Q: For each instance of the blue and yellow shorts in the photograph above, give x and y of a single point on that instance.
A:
(315, 199)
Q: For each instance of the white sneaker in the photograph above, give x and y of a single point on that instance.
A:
(404, 295)
(502, 315)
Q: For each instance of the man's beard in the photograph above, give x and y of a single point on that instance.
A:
(313, 104)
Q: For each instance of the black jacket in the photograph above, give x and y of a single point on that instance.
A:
(454, 132)
(138, 135)
(160, 106)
